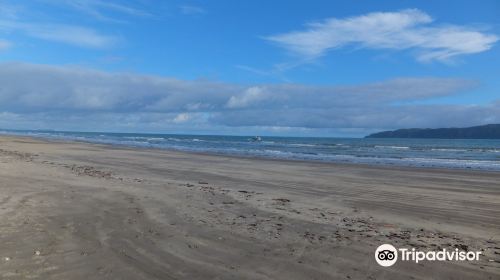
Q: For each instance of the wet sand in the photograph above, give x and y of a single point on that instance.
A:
(84, 211)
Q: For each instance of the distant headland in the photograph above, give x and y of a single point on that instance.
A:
(489, 131)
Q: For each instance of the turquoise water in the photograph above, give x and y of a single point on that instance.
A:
(439, 153)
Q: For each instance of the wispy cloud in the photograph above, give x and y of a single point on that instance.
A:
(275, 72)
(192, 10)
(69, 34)
(34, 20)
(74, 35)
(8, 11)
(409, 29)
(103, 10)
(4, 45)
(54, 94)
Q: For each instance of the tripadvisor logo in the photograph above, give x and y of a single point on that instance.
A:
(387, 255)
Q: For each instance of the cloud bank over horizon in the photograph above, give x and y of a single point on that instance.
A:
(73, 98)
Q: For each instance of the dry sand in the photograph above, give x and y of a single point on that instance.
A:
(84, 211)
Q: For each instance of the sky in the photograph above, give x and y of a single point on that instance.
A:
(301, 68)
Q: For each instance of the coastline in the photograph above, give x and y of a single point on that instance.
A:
(107, 211)
(256, 157)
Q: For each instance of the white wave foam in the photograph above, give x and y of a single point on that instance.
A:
(392, 147)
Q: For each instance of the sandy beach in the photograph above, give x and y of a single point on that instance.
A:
(73, 210)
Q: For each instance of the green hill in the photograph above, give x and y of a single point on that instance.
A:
(489, 131)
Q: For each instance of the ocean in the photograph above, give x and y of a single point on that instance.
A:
(437, 153)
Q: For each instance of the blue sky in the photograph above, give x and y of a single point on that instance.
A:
(303, 68)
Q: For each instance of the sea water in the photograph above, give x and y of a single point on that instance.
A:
(438, 153)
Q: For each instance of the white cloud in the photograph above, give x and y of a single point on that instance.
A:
(104, 10)
(251, 96)
(181, 118)
(69, 34)
(73, 35)
(407, 29)
(79, 98)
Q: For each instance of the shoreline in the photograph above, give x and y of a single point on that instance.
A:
(73, 210)
(256, 157)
